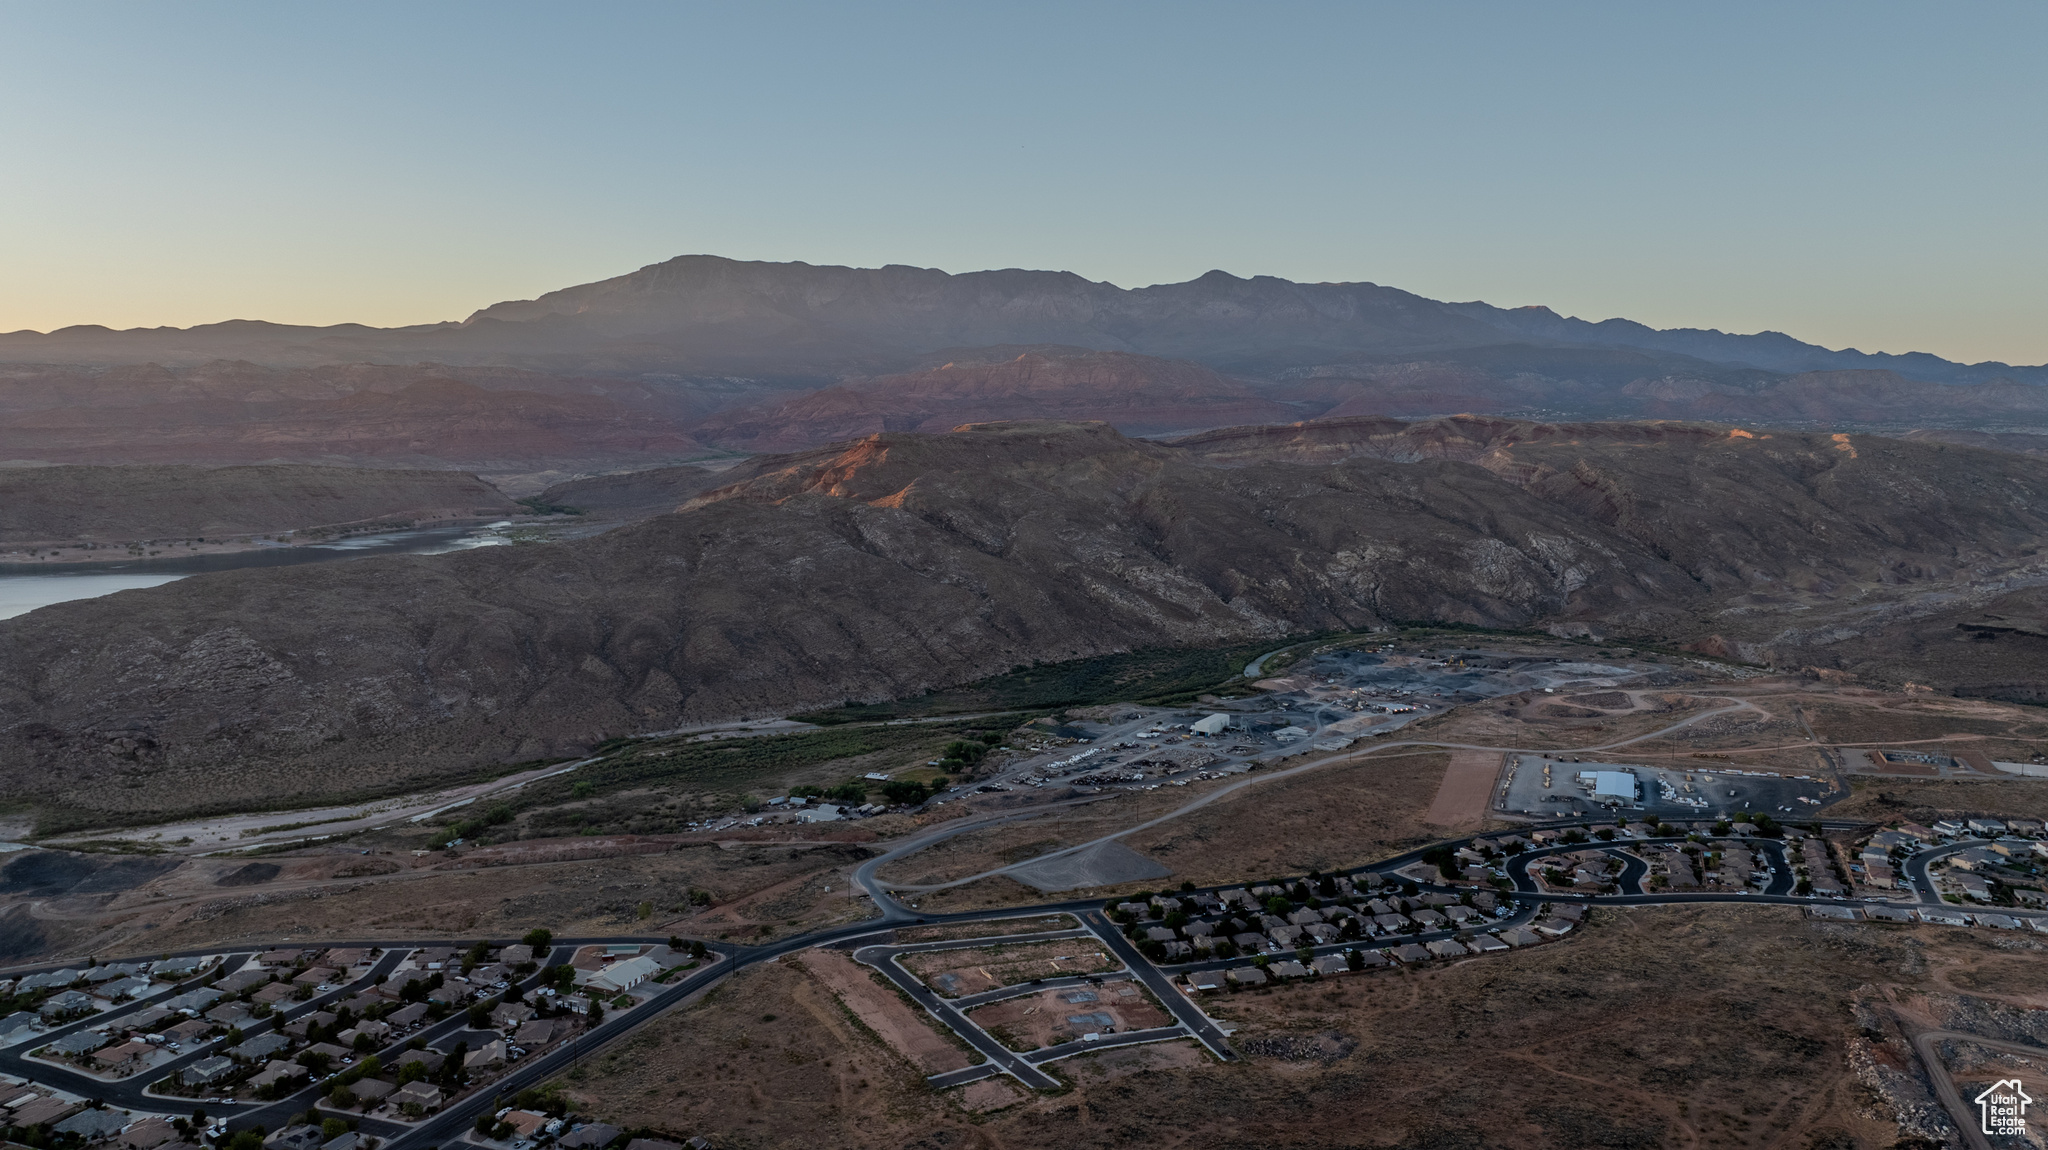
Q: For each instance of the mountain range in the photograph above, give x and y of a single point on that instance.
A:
(707, 314)
(700, 356)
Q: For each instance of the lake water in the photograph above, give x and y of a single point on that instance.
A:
(27, 586)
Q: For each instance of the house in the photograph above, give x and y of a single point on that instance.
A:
(230, 1014)
(492, 1053)
(1997, 921)
(190, 1030)
(1949, 828)
(124, 1057)
(1372, 959)
(1880, 876)
(1285, 937)
(1485, 944)
(207, 1071)
(302, 1137)
(651, 1144)
(17, 1026)
(146, 1133)
(506, 1015)
(276, 1072)
(343, 958)
(315, 976)
(77, 1043)
(69, 1004)
(39, 1111)
(1520, 936)
(589, 1136)
(1975, 857)
(260, 1048)
(1160, 934)
(284, 957)
(1330, 964)
(1206, 981)
(121, 988)
(524, 1122)
(349, 1141)
(273, 994)
(1287, 969)
(1554, 927)
(94, 1123)
(1887, 914)
(64, 977)
(242, 980)
(1985, 828)
(407, 1017)
(1408, 954)
(1944, 917)
(370, 1091)
(193, 1001)
(304, 1023)
(1248, 976)
(424, 1095)
(1974, 887)
(1430, 919)
(378, 1032)
(515, 954)
(621, 976)
(1446, 948)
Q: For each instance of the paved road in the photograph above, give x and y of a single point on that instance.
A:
(1000, 1057)
(1104, 1042)
(1190, 1016)
(1916, 870)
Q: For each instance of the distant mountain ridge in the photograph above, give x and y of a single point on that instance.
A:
(699, 314)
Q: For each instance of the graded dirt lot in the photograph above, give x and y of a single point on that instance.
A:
(956, 972)
(882, 1010)
(1461, 799)
(1052, 1017)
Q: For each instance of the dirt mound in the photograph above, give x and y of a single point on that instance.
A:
(249, 875)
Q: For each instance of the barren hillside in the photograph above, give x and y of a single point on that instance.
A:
(904, 562)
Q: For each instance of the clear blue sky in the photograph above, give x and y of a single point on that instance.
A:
(1855, 174)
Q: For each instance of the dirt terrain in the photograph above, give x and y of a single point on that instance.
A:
(55, 904)
(1686, 1027)
(882, 1009)
(954, 973)
(1056, 1017)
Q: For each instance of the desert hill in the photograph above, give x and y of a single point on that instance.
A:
(431, 422)
(113, 504)
(904, 561)
(1136, 394)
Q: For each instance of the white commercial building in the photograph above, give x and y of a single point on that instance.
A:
(1615, 785)
(1213, 725)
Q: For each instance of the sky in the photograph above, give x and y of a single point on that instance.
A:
(1870, 175)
